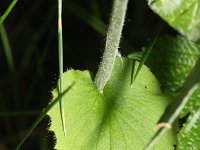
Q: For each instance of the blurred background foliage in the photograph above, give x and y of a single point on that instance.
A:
(29, 57)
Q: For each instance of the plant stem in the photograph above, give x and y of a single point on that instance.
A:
(7, 12)
(60, 58)
(11, 63)
(112, 43)
(7, 48)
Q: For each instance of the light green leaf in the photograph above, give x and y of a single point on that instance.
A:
(122, 117)
(182, 15)
(171, 61)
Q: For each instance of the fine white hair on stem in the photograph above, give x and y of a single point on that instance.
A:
(112, 43)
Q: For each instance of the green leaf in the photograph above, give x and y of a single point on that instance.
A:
(174, 109)
(189, 136)
(60, 62)
(122, 117)
(171, 61)
(149, 48)
(182, 15)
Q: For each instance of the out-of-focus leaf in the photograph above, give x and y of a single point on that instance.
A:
(182, 15)
(172, 112)
(189, 135)
(171, 61)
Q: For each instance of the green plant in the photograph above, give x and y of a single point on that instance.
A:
(76, 141)
(127, 105)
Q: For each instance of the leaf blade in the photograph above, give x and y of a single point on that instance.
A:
(182, 15)
(116, 118)
(148, 49)
(175, 59)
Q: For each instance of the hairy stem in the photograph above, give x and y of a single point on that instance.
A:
(112, 43)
